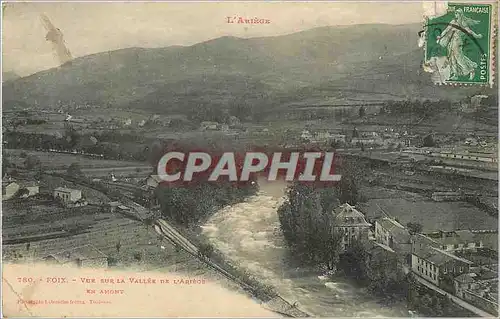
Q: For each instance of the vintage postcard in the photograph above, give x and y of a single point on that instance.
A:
(249, 159)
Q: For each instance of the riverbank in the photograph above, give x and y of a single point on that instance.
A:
(265, 294)
(248, 235)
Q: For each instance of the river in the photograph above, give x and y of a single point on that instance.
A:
(248, 234)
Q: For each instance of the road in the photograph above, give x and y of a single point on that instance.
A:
(455, 299)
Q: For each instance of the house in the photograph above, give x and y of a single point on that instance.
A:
(447, 196)
(322, 136)
(394, 235)
(233, 121)
(31, 188)
(206, 125)
(84, 256)
(463, 283)
(351, 223)
(68, 195)
(432, 264)
(112, 206)
(479, 288)
(457, 240)
(365, 141)
(338, 137)
(223, 127)
(9, 189)
(381, 261)
(153, 181)
(474, 104)
(306, 135)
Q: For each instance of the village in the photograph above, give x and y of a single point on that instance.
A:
(457, 263)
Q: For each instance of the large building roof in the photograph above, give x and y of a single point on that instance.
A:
(66, 190)
(399, 233)
(457, 237)
(437, 256)
(348, 216)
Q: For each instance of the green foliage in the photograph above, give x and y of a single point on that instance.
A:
(306, 226)
(190, 204)
(206, 250)
(424, 108)
(362, 112)
(431, 304)
(22, 192)
(429, 141)
(32, 162)
(414, 228)
(306, 218)
(74, 170)
(71, 136)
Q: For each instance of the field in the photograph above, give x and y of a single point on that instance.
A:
(52, 161)
(432, 215)
(141, 249)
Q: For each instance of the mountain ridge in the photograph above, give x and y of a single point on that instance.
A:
(271, 66)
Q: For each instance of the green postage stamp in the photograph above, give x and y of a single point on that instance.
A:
(459, 43)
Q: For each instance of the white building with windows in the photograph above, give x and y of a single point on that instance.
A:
(68, 195)
(351, 223)
(432, 263)
(392, 234)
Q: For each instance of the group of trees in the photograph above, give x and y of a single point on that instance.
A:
(194, 202)
(432, 304)
(419, 108)
(306, 218)
(305, 223)
(110, 145)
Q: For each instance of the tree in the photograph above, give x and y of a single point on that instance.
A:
(348, 190)
(206, 250)
(71, 136)
(74, 170)
(355, 132)
(32, 162)
(362, 111)
(429, 141)
(22, 192)
(5, 164)
(414, 228)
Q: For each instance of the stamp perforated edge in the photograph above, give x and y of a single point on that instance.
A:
(440, 8)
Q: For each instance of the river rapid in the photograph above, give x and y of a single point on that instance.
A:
(248, 234)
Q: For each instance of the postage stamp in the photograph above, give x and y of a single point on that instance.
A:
(460, 44)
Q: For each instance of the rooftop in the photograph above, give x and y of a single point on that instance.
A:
(66, 190)
(457, 237)
(29, 184)
(437, 256)
(466, 278)
(399, 233)
(347, 215)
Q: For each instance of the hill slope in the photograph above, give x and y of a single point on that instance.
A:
(228, 71)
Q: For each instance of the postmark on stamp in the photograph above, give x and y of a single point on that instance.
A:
(459, 41)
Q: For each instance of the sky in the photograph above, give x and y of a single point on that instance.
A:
(96, 27)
